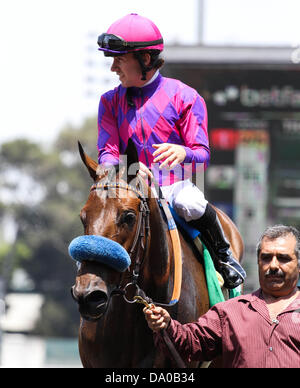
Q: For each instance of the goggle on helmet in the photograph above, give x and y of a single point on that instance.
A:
(114, 44)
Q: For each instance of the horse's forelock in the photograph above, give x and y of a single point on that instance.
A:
(109, 172)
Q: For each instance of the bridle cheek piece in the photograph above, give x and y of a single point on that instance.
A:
(141, 238)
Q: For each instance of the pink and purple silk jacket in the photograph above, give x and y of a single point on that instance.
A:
(164, 111)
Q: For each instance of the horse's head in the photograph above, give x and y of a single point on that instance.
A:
(116, 209)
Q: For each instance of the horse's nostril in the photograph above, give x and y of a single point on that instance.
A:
(98, 297)
(93, 305)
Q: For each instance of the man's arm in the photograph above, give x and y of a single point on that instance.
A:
(197, 341)
(108, 136)
(193, 130)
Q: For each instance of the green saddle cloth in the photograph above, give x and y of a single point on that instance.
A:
(214, 290)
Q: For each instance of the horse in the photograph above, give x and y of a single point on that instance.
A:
(113, 332)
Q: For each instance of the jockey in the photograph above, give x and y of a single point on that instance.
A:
(167, 121)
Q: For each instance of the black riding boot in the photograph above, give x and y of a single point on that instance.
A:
(213, 236)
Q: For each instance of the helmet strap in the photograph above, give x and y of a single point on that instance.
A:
(144, 68)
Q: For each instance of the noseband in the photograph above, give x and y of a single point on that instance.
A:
(141, 238)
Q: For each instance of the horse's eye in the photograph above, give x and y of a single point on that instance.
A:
(128, 218)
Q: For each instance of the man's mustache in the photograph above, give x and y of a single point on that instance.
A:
(277, 272)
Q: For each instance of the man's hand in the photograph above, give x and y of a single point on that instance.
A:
(172, 154)
(157, 318)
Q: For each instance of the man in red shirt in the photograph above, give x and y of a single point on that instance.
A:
(258, 330)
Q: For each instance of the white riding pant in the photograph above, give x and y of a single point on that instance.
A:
(186, 199)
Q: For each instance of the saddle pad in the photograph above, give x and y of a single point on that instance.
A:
(192, 232)
(213, 286)
(215, 293)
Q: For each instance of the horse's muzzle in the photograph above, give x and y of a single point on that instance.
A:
(92, 305)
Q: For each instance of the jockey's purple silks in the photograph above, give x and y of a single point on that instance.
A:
(176, 111)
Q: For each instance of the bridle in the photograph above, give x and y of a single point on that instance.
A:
(141, 239)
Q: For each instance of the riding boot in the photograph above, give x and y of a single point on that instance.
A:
(213, 235)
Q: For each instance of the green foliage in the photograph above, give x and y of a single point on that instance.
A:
(5, 248)
(20, 153)
(46, 223)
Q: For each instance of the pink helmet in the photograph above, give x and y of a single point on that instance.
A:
(131, 33)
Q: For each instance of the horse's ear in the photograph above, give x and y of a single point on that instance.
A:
(131, 152)
(132, 160)
(90, 164)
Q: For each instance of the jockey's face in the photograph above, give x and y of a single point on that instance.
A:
(128, 69)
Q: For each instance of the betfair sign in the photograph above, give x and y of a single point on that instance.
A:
(273, 97)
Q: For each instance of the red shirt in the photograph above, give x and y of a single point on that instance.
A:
(241, 330)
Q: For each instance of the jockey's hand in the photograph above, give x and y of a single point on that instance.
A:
(171, 154)
(144, 171)
(157, 318)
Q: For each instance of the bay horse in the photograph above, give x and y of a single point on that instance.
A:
(113, 332)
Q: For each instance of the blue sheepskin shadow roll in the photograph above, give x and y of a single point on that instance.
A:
(101, 249)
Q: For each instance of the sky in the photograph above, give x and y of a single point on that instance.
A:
(46, 45)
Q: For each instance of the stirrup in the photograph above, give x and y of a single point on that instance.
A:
(233, 268)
